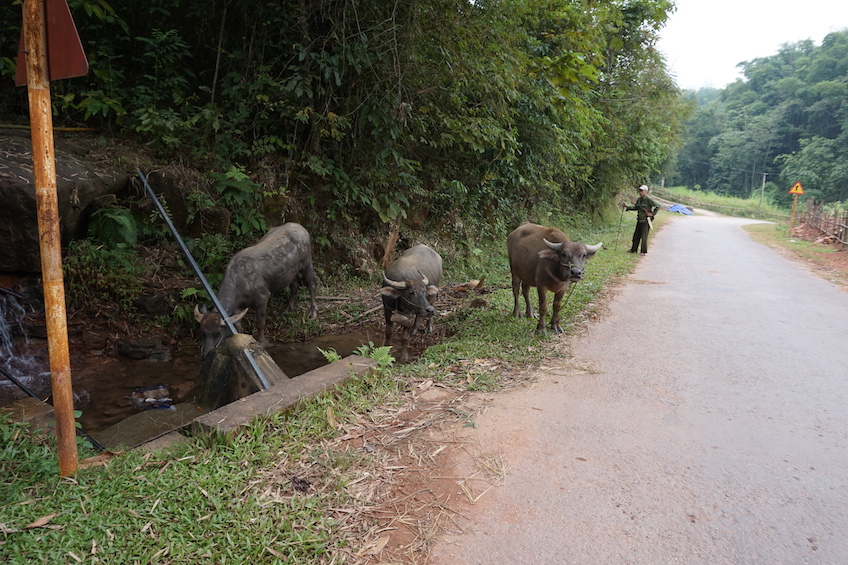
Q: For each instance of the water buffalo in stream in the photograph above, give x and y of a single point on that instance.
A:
(544, 257)
(408, 287)
(276, 262)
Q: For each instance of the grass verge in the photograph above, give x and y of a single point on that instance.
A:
(295, 487)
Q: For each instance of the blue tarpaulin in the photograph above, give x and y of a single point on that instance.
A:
(681, 209)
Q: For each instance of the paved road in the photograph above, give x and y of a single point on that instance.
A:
(713, 430)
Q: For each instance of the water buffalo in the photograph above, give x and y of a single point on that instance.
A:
(408, 286)
(277, 261)
(544, 257)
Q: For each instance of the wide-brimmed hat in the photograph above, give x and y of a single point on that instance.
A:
(644, 187)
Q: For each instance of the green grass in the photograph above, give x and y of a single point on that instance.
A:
(233, 499)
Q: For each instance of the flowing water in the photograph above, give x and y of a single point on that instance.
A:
(19, 356)
(104, 386)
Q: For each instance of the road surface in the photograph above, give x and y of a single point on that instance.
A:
(711, 428)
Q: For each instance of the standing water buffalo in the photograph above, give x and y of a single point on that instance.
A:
(407, 287)
(276, 262)
(543, 257)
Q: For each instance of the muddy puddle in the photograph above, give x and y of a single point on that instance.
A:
(103, 387)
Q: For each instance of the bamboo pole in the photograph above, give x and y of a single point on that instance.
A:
(44, 168)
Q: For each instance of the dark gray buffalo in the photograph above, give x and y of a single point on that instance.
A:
(544, 257)
(274, 263)
(408, 286)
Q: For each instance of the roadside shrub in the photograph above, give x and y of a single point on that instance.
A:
(96, 275)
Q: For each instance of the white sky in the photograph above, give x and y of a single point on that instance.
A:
(704, 40)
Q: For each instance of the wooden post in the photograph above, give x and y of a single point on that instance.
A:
(44, 169)
(792, 217)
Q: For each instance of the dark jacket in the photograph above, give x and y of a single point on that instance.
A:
(645, 208)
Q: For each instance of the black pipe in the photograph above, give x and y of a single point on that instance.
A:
(199, 273)
(94, 443)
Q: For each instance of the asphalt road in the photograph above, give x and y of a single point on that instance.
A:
(711, 428)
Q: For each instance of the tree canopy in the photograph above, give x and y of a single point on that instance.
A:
(441, 109)
(788, 119)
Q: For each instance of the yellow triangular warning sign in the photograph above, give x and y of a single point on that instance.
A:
(796, 189)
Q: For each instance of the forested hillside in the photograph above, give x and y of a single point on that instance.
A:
(788, 118)
(357, 114)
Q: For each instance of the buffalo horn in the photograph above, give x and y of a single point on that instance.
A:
(594, 248)
(555, 246)
(235, 317)
(393, 284)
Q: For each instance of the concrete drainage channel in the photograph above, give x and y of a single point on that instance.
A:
(157, 429)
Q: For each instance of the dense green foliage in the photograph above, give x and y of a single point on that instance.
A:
(788, 118)
(446, 114)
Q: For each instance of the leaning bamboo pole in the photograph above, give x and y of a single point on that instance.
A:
(47, 205)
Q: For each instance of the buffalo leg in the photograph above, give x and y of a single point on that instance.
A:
(293, 288)
(555, 327)
(404, 344)
(516, 289)
(528, 305)
(261, 313)
(311, 285)
(543, 310)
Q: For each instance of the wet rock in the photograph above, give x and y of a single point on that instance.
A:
(95, 340)
(146, 348)
(227, 375)
(210, 220)
(155, 304)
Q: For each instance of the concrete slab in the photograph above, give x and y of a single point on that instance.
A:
(145, 426)
(282, 396)
(38, 414)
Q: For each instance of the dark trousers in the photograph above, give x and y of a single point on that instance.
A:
(640, 234)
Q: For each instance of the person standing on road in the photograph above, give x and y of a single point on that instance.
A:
(646, 209)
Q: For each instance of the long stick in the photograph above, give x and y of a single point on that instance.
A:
(617, 235)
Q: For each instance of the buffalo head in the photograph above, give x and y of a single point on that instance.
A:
(572, 257)
(410, 297)
(212, 325)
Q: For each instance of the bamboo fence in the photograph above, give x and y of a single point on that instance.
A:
(832, 223)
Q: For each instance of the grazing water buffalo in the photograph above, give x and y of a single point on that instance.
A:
(407, 287)
(276, 262)
(543, 257)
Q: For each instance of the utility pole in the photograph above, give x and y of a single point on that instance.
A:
(763, 190)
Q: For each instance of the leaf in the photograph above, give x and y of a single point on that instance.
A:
(41, 522)
(375, 546)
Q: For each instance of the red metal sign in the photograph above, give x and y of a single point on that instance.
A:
(65, 55)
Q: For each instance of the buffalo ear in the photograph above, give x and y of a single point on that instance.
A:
(432, 290)
(390, 292)
(549, 255)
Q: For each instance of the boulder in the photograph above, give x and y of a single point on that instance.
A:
(78, 184)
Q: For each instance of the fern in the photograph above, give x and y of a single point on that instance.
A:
(114, 227)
